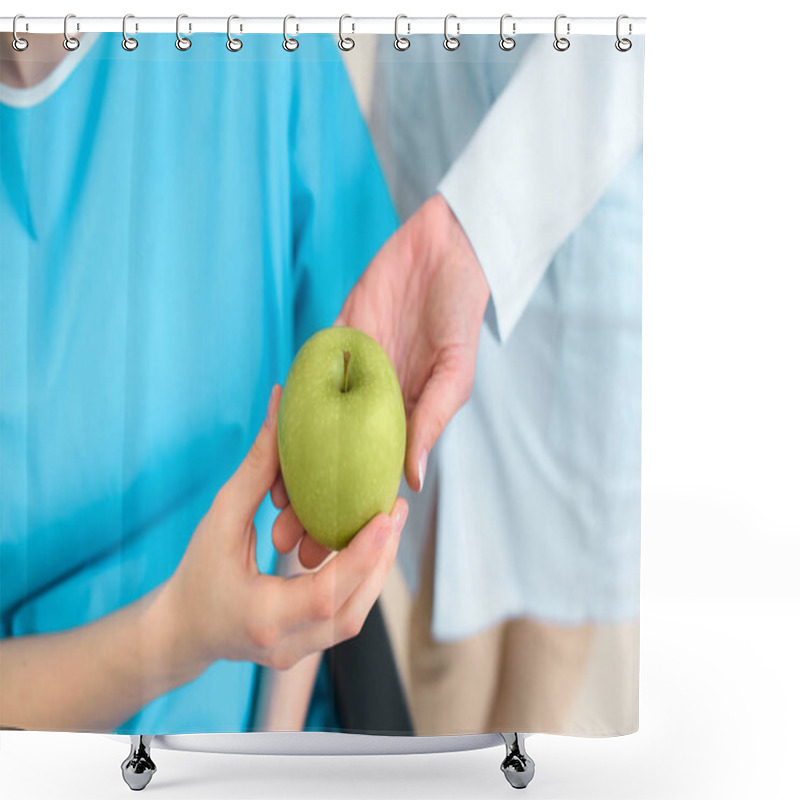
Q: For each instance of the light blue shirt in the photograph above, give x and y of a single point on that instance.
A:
(173, 225)
(537, 478)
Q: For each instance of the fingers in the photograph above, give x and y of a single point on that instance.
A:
(311, 553)
(245, 490)
(446, 391)
(349, 617)
(280, 497)
(317, 596)
(357, 606)
(287, 530)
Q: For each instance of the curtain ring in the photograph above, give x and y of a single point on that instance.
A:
(346, 43)
(289, 44)
(507, 42)
(70, 42)
(18, 43)
(561, 43)
(451, 42)
(181, 42)
(623, 45)
(401, 42)
(128, 42)
(233, 44)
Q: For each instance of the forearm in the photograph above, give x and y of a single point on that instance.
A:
(92, 678)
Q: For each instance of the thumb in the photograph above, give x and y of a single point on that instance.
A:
(446, 391)
(248, 486)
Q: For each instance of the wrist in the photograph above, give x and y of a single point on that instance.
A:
(169, 646)
(456, 249)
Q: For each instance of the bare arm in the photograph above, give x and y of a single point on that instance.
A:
(92, 678)
(216, 605)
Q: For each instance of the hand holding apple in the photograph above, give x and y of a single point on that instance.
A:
(423, 298)
(218, 605)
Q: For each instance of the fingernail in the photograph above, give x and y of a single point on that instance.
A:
(423, 465)
(272, 409)
(382, 534)
(399, 517)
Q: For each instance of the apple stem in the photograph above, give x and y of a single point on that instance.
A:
(346, 368)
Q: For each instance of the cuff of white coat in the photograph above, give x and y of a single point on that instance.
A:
(512, 275)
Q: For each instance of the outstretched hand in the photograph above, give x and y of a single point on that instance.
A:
(423, 298)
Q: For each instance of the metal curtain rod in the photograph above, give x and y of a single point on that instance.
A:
(244, 25)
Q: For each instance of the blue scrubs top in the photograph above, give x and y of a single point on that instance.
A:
(173, 226)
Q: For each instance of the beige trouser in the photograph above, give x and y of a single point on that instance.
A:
(520, 675)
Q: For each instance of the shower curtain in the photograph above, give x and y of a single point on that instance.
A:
(176, 223)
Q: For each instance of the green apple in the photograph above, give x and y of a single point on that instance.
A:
(341, 434)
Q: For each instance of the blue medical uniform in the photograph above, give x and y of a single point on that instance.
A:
(173, 226)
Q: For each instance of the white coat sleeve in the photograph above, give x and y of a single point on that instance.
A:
(543, 155)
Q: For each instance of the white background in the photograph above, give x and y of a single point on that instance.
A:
(721, 528)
